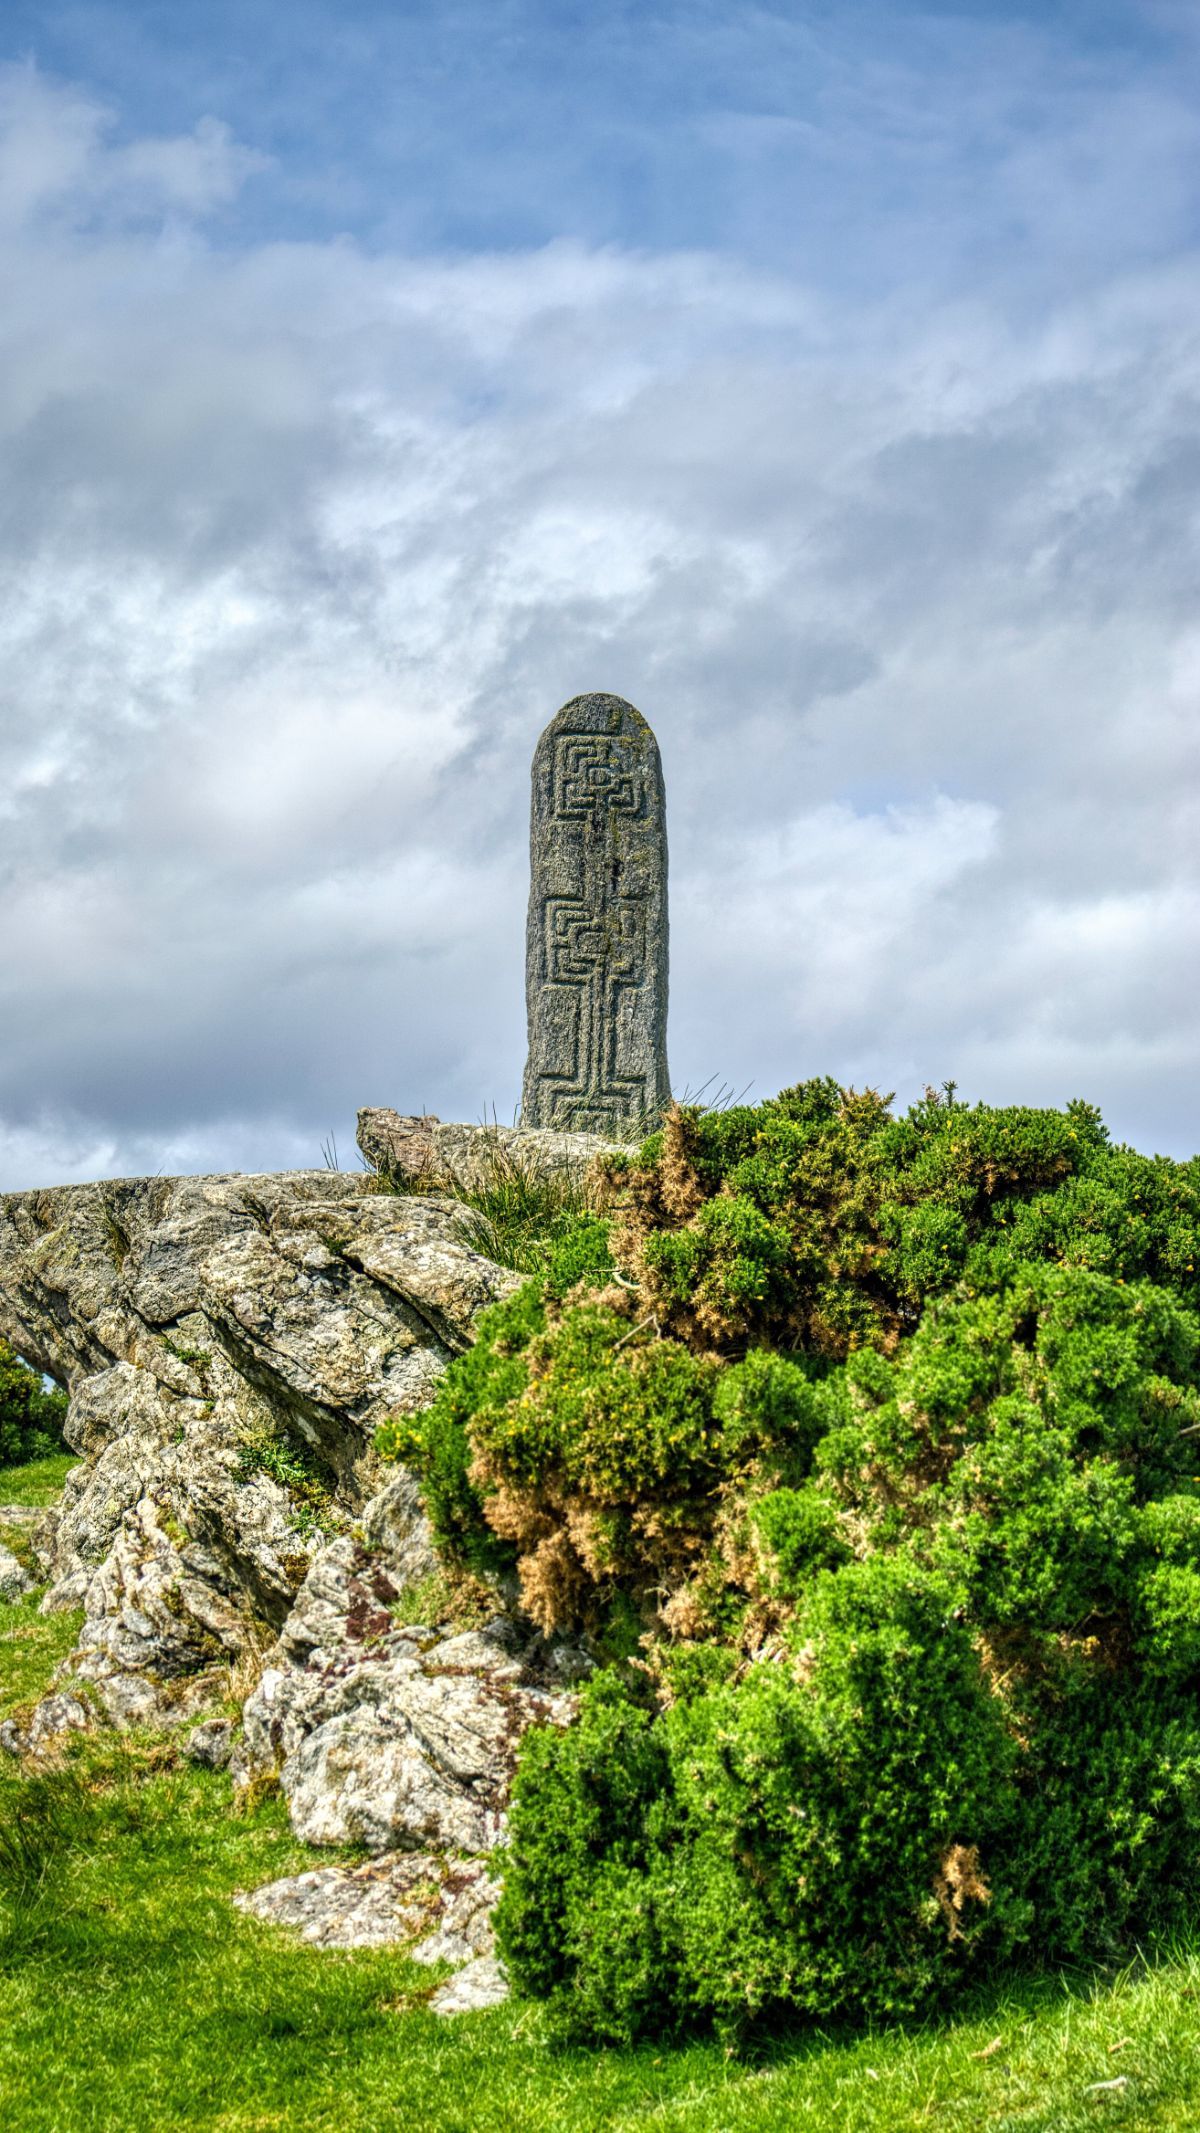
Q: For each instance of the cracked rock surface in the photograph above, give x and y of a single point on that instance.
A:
(393, 1736)
(402, 1738)
(209, 1329)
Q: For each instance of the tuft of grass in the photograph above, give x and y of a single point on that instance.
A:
(288, 1461)
(516, 1211)
(444, 1597)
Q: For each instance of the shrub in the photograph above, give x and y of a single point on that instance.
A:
(875, 1438)
(817, 1220)
(31, 1419)
(810, 1835)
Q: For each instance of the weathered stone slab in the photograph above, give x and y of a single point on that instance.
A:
(596, 941)
(379, 1905)
(451, 1158)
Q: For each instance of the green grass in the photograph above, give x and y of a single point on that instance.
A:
(38, 1482)
(134, 1999)
(31, 1646)
(30, 1487)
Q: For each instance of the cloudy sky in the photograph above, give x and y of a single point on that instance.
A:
(824, 377)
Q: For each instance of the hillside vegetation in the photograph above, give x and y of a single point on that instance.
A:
(31, 1418)
(862, 1447)
(134, 1997)
(859, 1449)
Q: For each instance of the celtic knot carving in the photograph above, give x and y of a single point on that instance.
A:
(595, 773)
(596, 942)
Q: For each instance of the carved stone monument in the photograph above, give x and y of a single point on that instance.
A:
(596, 942)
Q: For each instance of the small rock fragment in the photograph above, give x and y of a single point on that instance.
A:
(481, 1984)
(14, 1583)
(570, 1664)
(211, 1745)
(54, 1716)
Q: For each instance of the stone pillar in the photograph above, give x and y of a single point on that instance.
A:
(596, 941)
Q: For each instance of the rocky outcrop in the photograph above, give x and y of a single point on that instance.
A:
(453, 1158)
(400, 1737)
(386, 1734)
(230, 1345)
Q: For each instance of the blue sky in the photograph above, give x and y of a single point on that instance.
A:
(824, 378)
(849, 142)
(813, 136)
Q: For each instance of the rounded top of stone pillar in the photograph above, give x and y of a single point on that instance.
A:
(600, 713)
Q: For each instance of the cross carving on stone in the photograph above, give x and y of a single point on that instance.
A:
(596, 945)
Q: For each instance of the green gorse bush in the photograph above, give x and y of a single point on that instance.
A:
(867, 1452)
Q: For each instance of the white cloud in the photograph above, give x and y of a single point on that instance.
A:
(193, 173)
(49, 139)
(303, 546)
(57, 159)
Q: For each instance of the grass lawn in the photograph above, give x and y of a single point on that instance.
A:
(38, 1482)
(132, 1996)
